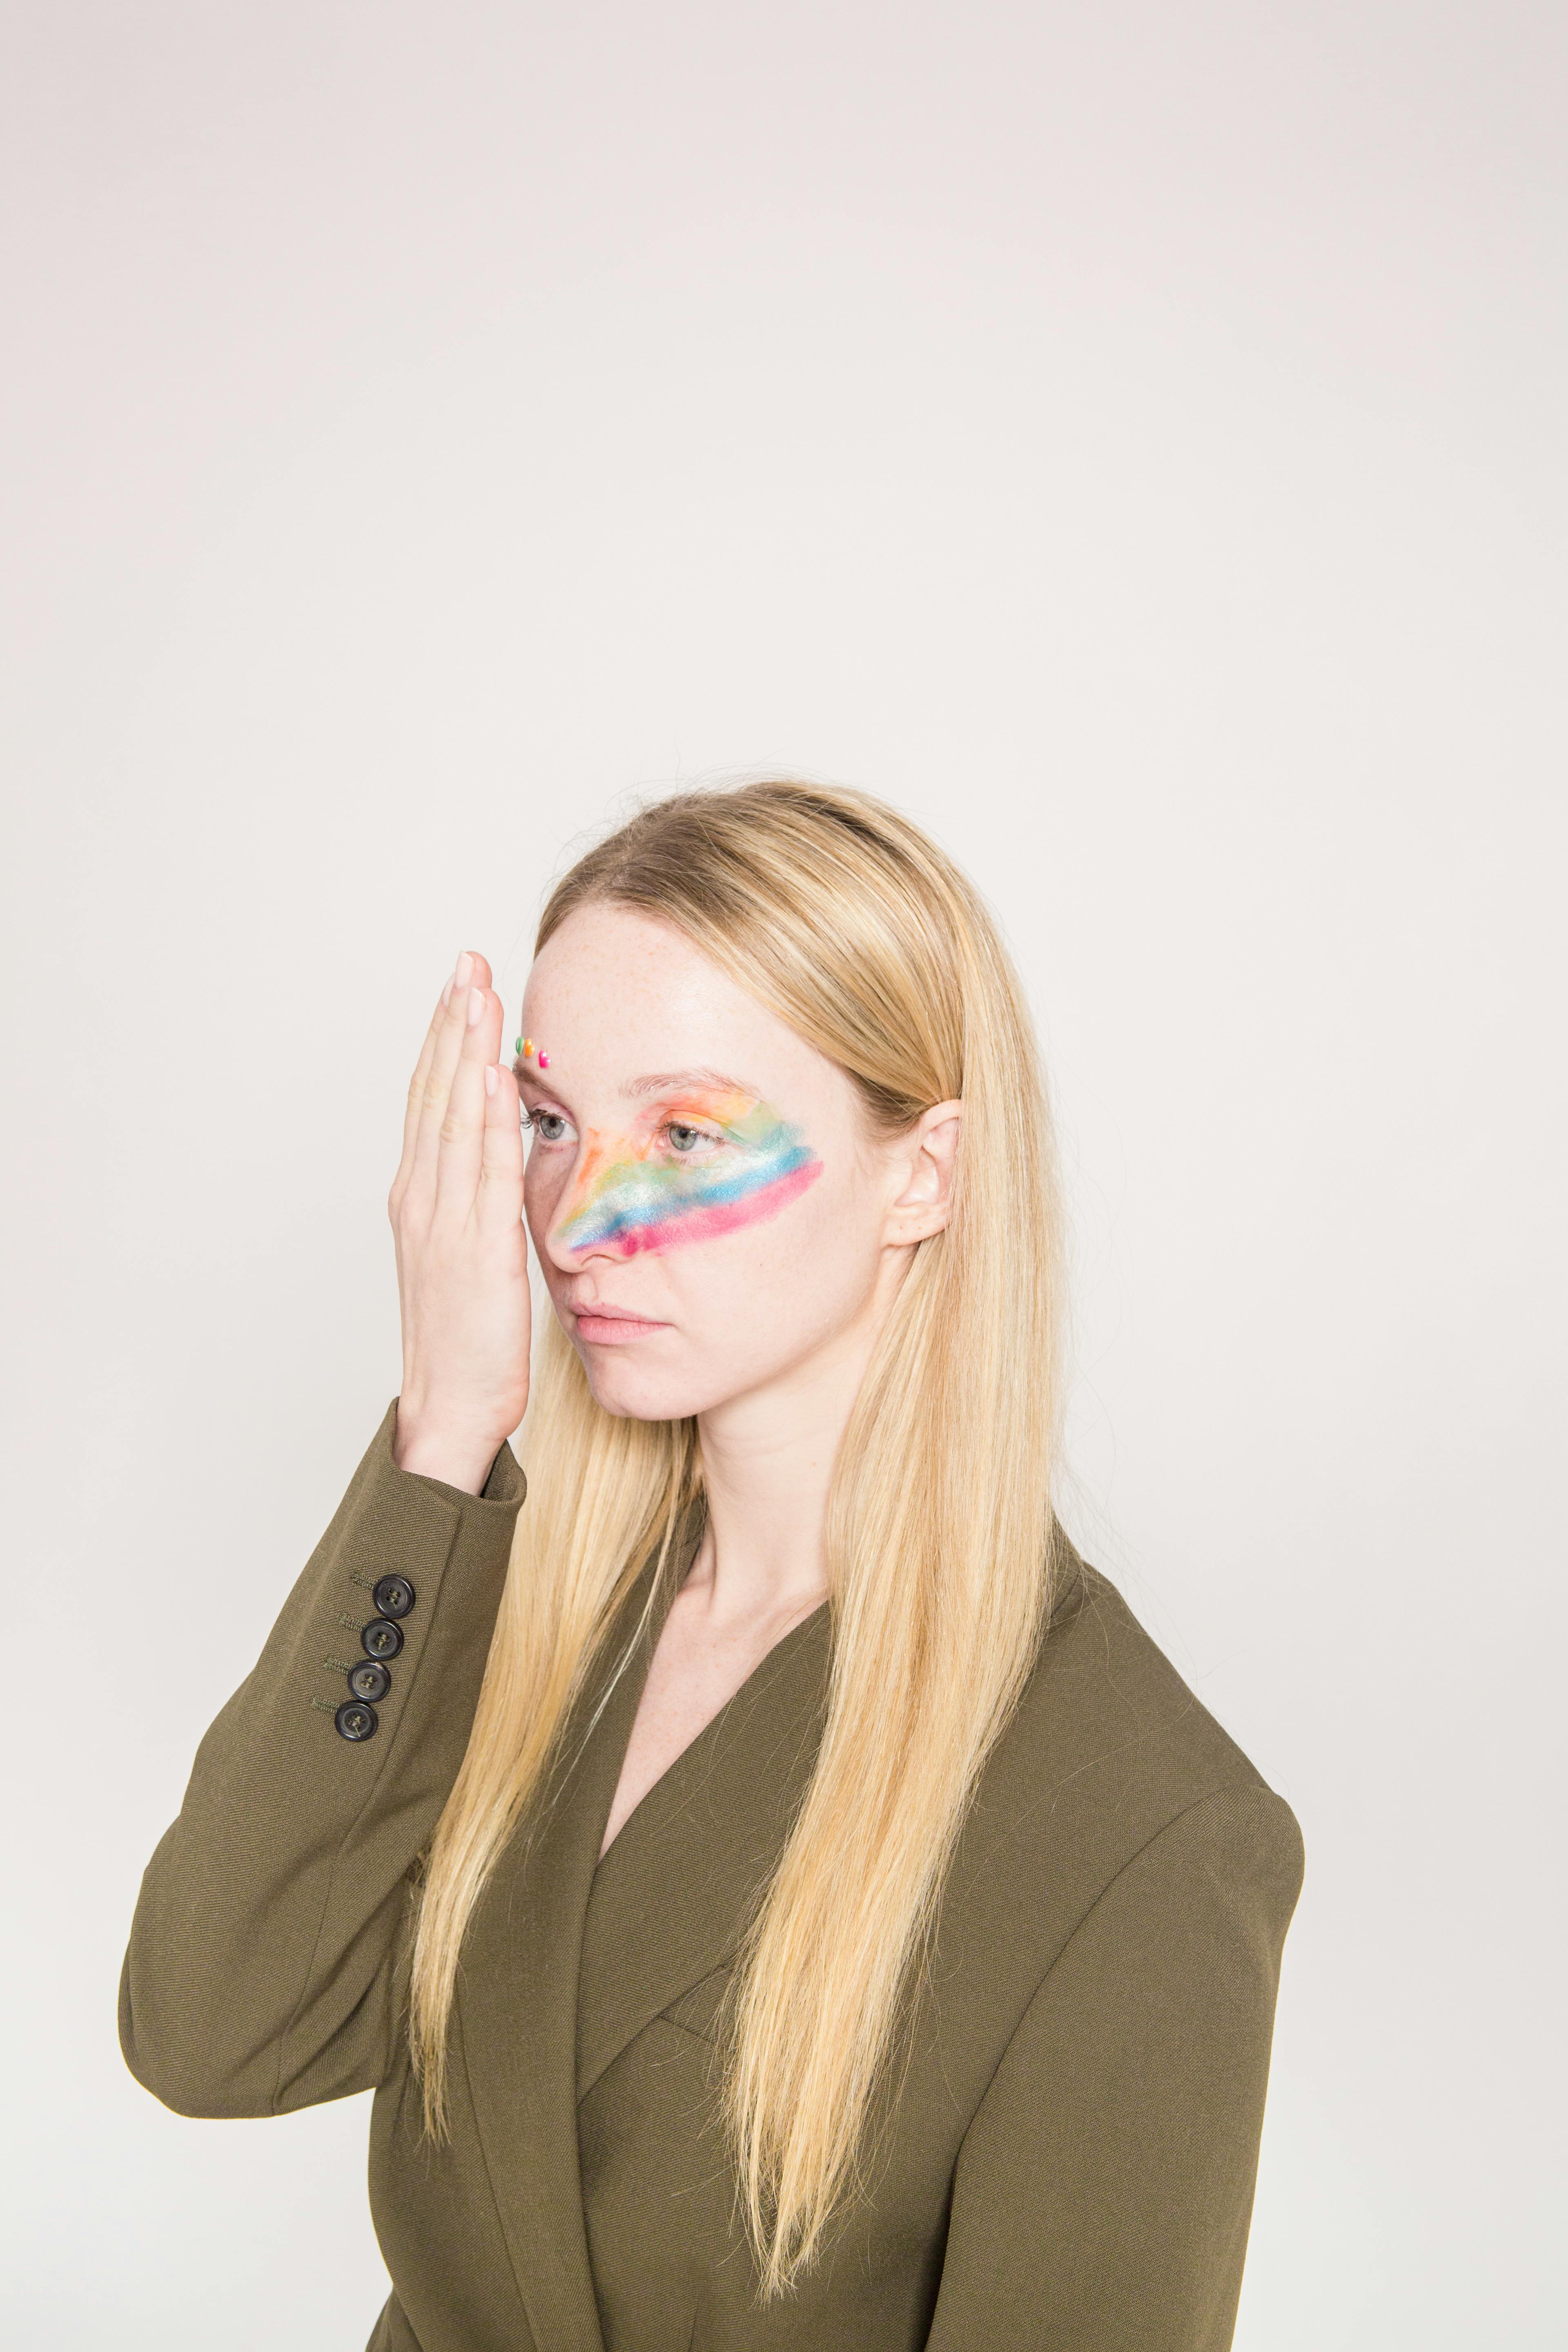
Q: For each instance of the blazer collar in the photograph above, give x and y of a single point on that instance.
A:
(670, 1900)
(517, 2012)
(568, 1958)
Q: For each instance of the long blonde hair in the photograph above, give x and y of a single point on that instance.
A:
(848, 921)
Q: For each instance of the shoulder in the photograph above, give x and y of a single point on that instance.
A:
(1110, 1756)
(1104, 1697)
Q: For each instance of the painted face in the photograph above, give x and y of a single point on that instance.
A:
(705, 1200)
(695, 1168)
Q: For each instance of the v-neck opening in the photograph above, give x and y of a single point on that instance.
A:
(710, 1731)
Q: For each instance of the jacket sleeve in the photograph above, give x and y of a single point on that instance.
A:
(1103, 2193)
(271, 1920)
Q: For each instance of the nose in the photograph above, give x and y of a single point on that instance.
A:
(576, 1195)
(557, 1242)
(611, 1248)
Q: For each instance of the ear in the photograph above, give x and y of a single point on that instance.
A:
(924, 1161)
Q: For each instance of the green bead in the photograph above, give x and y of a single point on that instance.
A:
(517, 1045)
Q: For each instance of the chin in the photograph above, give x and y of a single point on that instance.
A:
(646, 1390)
(635, 1392)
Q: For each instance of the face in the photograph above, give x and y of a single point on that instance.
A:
(710, 1210)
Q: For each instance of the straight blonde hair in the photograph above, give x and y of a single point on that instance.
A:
(848, 921)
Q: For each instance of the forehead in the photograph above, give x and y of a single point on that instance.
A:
(615, 993)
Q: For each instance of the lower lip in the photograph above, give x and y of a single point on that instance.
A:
(614, 1330)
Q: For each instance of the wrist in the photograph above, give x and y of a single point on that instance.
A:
(460, 1458)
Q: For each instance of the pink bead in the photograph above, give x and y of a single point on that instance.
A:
(544, 1061)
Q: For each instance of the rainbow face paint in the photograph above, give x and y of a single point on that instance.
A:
(641, 1193)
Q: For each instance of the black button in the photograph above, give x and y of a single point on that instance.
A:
(355, 1721)
(369, 1679)
(382, 1638)
(395, 1596)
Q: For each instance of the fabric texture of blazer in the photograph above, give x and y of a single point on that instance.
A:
(1069, 2165)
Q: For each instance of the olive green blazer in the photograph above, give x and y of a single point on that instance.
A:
(1070, 2163)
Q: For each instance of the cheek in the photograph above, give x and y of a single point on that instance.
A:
(809, 1263)
(655, 1212)
(544, 1183)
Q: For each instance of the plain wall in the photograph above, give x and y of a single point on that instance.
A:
(1128, 438)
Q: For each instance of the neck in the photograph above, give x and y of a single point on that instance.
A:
(767, 1463)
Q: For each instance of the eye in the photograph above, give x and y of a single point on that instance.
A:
(548, 1125)
(686, 1141)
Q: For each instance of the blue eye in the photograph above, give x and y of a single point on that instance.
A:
(548, 1125)
(684, 1138)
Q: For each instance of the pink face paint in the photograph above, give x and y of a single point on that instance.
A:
(642, 1194)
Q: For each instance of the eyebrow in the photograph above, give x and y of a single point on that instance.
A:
(660, 1082)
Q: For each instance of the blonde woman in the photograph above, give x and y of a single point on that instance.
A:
(778, 1894)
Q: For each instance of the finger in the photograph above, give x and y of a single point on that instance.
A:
(433, 1104)
(501, 1165)
(462, 1130)
(417, 1085)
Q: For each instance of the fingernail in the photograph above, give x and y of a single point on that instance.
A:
(465, 968)
(447, 994)
(492, 1080)
(475, 1004)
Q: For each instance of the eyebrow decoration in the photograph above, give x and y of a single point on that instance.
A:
(524, 1046)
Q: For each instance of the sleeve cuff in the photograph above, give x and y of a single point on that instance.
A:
(505, 1485)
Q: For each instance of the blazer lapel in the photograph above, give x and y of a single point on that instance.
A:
(518, 2013)
(568, 1958)
(668, 1902)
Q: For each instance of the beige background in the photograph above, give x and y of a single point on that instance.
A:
(1131, 438)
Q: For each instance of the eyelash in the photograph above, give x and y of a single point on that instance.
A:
(689, 1127)
(532, 1119)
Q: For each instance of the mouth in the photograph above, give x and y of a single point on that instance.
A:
(601, 1325)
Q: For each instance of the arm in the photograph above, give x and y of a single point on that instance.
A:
(1103, 2193)
(263, 1972)
(260, 1974)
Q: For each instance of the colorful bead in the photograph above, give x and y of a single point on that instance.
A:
(517, 1045)
(544, 1061)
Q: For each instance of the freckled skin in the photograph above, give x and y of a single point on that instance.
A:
(756, 1320)
(636, 1195)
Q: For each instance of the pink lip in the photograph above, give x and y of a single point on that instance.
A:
(603, 1326)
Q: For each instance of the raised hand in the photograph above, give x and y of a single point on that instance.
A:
(456, 1207)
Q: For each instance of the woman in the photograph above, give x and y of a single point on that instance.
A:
(778, 1894)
